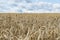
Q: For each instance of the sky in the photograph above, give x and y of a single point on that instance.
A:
(30, 6)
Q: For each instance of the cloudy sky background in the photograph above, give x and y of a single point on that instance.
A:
(30, 6)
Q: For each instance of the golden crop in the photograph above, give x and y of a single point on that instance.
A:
(29, 26)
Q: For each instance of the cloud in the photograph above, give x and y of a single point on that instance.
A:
(28, 6)
(42, 7)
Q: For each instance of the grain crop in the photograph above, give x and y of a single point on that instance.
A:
(29, 26)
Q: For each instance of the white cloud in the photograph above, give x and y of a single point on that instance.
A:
(56, 5)
(13, 6)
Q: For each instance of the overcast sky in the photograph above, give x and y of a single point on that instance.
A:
(30, 6)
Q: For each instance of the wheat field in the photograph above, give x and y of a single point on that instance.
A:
(29, 26)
